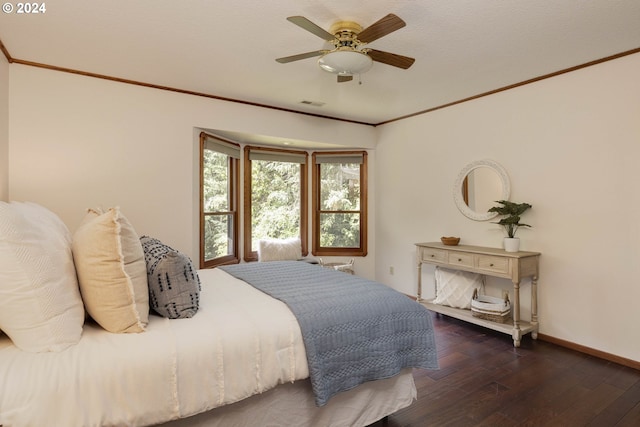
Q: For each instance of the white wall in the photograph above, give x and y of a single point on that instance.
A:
(571, 145)
(78, 142)
(4, 128)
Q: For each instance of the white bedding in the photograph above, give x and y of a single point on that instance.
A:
(241, 342)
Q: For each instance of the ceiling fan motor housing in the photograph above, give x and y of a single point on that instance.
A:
(346, 34)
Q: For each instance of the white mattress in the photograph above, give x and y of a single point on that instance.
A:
(241, 342)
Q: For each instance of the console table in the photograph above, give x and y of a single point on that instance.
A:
(491, 262)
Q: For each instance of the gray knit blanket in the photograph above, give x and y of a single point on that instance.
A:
(354, 330)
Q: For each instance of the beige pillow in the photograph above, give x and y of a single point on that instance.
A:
(279, 249)
(111, 271)
(40, 305)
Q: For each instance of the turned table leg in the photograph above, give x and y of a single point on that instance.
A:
(419, 297)
(534, 307)
(517, 332)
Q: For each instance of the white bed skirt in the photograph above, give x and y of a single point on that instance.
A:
(293, 405)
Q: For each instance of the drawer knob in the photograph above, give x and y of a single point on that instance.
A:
(432, 255)
(459, 259)
(491, 265)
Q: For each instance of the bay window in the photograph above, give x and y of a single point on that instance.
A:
(275, 197)
(219, 175)
(339, 203)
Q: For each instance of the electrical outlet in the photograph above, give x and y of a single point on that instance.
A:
(391, 270)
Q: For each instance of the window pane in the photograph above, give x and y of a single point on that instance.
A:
(218, 236)
(275, 200)
(339, 230)
(216, 182)
(340, 188)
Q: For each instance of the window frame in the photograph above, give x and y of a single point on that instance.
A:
(249, 254)
(234, 195)
(316, 183)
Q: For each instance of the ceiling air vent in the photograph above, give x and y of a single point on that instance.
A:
(312, 103)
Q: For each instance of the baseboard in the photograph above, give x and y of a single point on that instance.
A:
(582, 349)
(590, 351)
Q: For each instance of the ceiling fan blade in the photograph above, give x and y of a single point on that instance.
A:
(342, 79)
(393, 59)
(384, 26)
(300, 56)
(304, 23)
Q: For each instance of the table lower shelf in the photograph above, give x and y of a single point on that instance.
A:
(466, 315)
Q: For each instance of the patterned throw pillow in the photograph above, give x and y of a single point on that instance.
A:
(174, 285)
(455, 288)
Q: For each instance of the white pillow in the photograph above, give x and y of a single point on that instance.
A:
(455, 288)
(279, 250)
(40, 304)
(112, 271)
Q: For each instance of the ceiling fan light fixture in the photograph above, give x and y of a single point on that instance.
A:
(345, 62)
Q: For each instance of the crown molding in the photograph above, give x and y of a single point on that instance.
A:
(5, 52)
(254, 104)
(515, 85)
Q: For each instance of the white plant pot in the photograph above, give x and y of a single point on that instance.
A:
(511, 244)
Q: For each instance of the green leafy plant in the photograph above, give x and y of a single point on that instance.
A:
(511, 212)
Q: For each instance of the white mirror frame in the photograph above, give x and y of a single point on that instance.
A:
(457, 189)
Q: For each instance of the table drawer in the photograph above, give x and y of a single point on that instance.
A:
(494, 264)
(434, 255)
(461, 258)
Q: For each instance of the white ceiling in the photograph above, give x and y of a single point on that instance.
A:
(227, 49)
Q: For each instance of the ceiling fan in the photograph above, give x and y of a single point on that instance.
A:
(349, 57)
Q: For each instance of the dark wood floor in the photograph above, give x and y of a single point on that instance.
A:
(484, 381)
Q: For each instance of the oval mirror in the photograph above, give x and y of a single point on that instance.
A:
(478, 186)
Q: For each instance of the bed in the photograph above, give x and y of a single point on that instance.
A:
(241, 358)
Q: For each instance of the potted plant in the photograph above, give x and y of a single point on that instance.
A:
(511, 222)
